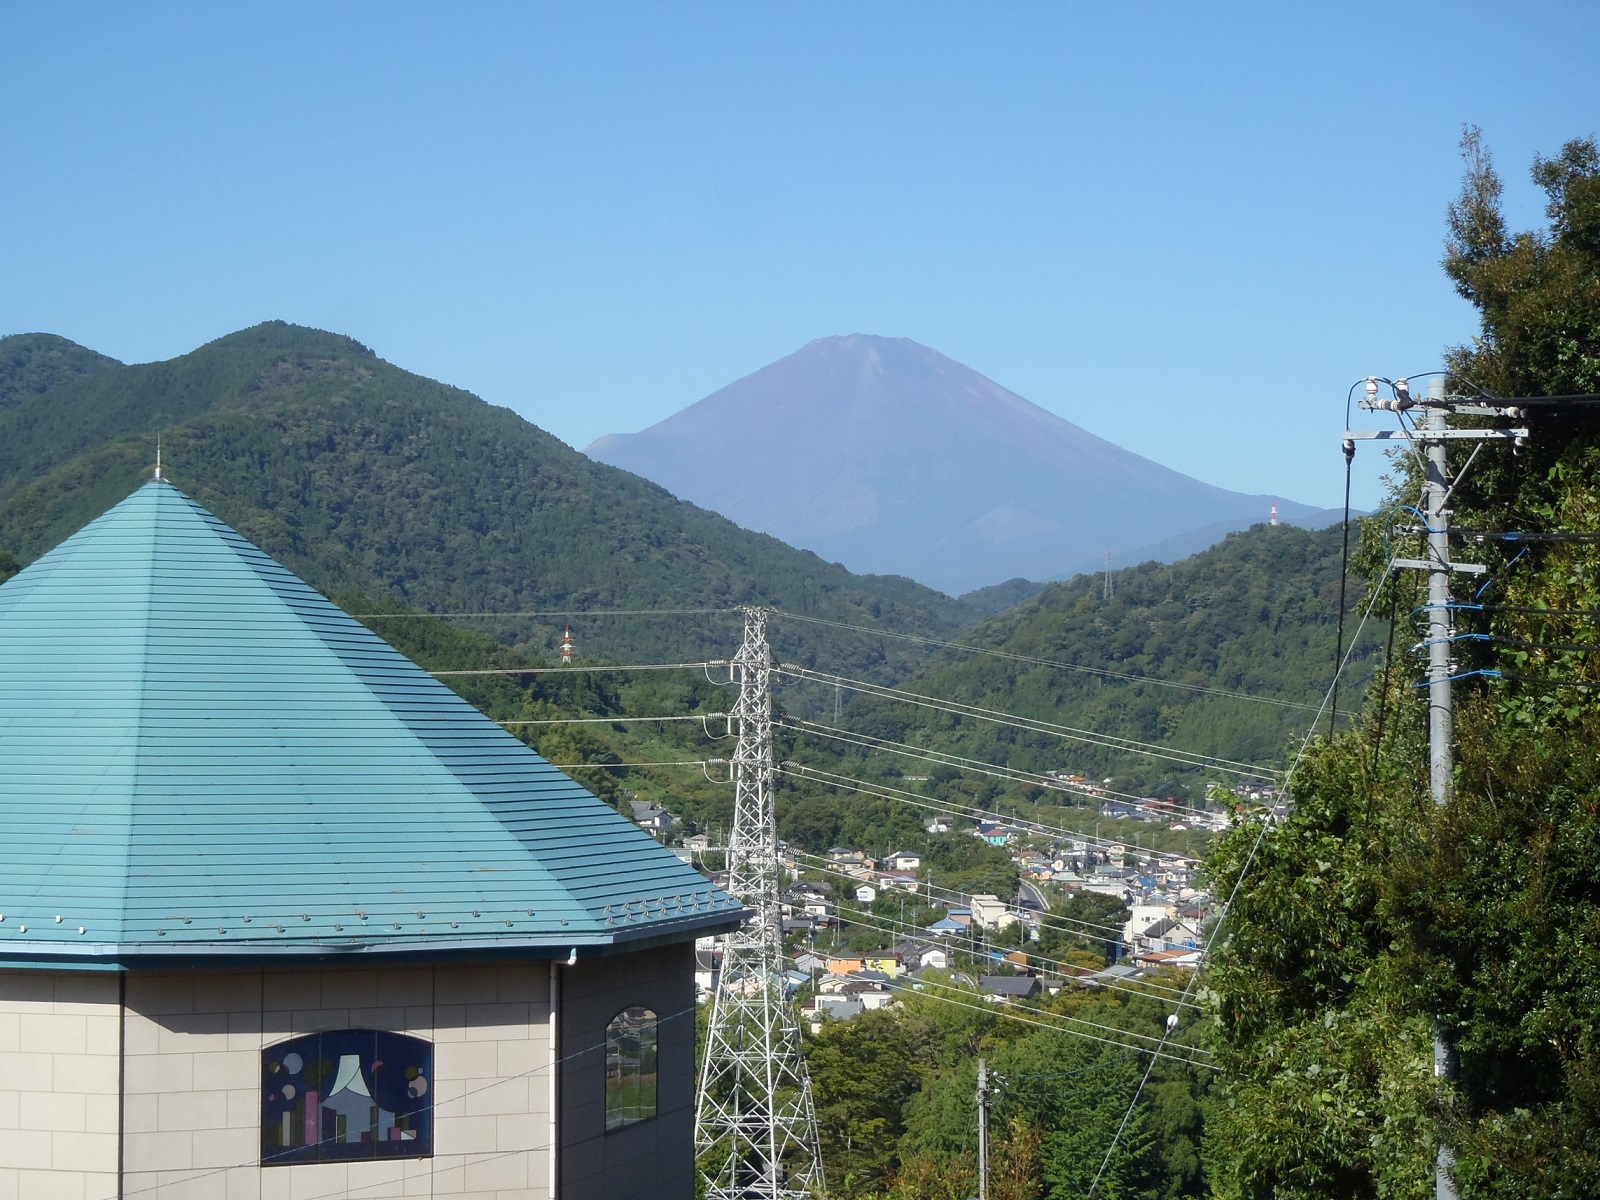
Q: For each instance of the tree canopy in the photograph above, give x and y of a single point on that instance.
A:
(1369, 915)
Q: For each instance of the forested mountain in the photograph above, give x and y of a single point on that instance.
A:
(357, 474)
(33, 363)
(1232, 651)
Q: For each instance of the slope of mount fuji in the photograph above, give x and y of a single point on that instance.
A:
(888, 457)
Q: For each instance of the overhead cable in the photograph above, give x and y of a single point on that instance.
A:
(815, 862)
(978, 766)
(573, 612)
(615, 720)
(574, 669)
(947, 808)
(1115, 742)
(894, 927)
(1106, 672)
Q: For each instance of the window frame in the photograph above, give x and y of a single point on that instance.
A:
(385, 1073)
(624, 1101)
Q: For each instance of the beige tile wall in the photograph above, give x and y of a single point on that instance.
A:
(191, 1098)
(59, 1064)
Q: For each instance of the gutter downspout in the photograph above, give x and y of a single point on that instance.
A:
(555, 1077)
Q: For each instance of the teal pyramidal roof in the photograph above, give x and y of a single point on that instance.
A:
(201, 756)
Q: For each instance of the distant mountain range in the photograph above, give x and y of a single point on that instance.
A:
(888, 457)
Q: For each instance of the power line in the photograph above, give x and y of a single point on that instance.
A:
(1012, 1013)
(818, 863)
(1150, 986)
(1537, 612)
(615, 720)
(681, 762)
(943, 807)
(889, 925)
(978, 766)
(573, 612)
(1126, 676)
(577, 669)
(1121, 744)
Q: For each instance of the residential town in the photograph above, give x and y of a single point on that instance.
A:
(854, 946)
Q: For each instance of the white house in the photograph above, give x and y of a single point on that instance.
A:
(991, 912)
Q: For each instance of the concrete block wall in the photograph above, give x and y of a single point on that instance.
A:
(193, 1078)
(184, 1050)
(59, 1070)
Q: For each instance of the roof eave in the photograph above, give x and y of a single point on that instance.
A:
(148, 955)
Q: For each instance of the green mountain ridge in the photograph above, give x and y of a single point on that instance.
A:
(1245, 630)
(33, 363)
(360, 475)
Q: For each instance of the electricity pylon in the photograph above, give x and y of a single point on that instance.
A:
(755, 1125)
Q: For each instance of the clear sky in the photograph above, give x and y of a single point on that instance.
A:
(1186, 227)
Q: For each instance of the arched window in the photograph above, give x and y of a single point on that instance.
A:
(354, 1094)
(630, 1067)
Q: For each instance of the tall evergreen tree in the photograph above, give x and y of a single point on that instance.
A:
(1369, 914)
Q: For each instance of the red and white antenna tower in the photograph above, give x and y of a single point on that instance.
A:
(1273, 519)
(566, 646)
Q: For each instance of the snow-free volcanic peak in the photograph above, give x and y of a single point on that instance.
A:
(887, 456)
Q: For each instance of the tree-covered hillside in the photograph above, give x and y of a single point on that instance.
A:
(357, 474)
(33, 363)
(1372, 917)
(1227, 653)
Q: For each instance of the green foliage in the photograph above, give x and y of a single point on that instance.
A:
(33, 363)
(8, 565)
(1254, 614)
(1369, 914)
(863, 1072)
(358, 475)
(1057, 1101)
(1096, 914)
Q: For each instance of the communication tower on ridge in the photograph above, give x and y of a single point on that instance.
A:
(1273, 518)
(566, 647)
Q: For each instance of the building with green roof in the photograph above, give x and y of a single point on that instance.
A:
(280, 914)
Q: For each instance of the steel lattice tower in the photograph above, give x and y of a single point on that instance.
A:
(756, 1128)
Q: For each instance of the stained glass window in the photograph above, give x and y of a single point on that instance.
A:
(354, 1094)
(630, 1067)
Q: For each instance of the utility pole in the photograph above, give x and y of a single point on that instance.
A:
(1107, 590)
(755, 1124)
(1434, 435)
(983, 1130)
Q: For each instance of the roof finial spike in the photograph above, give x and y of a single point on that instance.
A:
(158, 459)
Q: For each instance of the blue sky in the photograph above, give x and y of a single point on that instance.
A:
(1185, 227)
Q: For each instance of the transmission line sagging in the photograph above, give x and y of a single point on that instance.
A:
(978, 766)
(932, 804)
(1054, 664)
(579, 668)
(1126, 745)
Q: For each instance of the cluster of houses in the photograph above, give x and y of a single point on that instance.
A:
(1164, 928)
(1167, 913)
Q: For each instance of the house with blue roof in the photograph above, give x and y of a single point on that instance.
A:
(281, 915)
